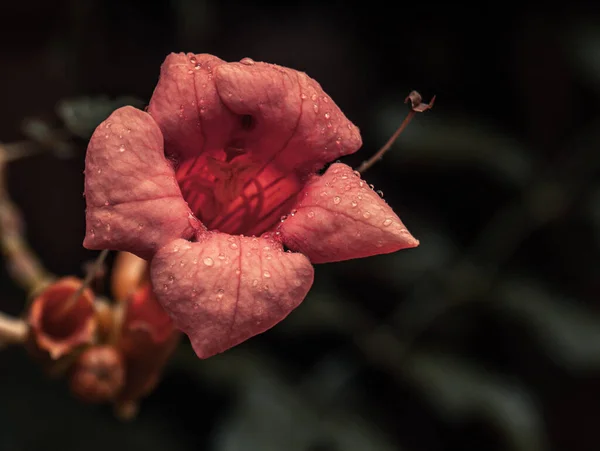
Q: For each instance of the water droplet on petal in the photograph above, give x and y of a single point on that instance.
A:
(220, 293)
(366, 215)
(237, 272)
(354, 203)
(313, 97)
(336, 200)
(121, 148)
(221, 257)
(283, 218)
(316, 107)
(327, 115)
(99, 171)
(209, 261)
(92, 232)
(311, 214)
(293, 212)
(379, 243)
(233, 246)
(387, 222)
(267, 274)
(255, 282)
(106, 203)
(356, 173)
(247, 61)
(380, 193)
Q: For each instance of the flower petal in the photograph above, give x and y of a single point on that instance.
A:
(133, 201)
(187, 108)
(339, 218)
(225, 289)
(292, 121)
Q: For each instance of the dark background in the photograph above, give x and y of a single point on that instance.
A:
(486, 337)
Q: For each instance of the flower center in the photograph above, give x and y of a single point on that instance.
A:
(230, 192)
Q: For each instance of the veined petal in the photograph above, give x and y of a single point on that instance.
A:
(224, 289)
(293, 123)
(187, 108)
(133, 201)
(339, 217)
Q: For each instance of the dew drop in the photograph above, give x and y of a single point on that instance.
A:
(140, 226)
(247, 61)
(283, 218)
(221, 257)
(99, 171)
(237, 272)
(220, 293)
(92, 232)
(165, 287)
(193, 59)
(379, 243)
(121, 148)
(303, 96)
(372, 186)
(354, 203)
(209, 261)
(327, 115)
(316, 107)
(313, 97)
(366, 215)
(268, 256)
(293, 212)
(190, 72)
(106, 203)
(387, 222)
(356, 173)
(233, 246)
(194, 292)
(336, 200)
(255, 282)
(267, 274)
(380, 193)
(325, 99)
(311, 214)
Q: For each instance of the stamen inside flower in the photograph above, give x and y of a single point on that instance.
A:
(231, 192)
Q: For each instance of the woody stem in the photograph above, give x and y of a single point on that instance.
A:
(371, 161)
(12, 330)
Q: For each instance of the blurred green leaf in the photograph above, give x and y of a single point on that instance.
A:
(567, 332)
(83, 114)
(452, 140)
(459, 391)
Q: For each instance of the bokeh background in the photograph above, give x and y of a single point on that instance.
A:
(486, 337)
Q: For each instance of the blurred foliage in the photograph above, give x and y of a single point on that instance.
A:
(486, 337)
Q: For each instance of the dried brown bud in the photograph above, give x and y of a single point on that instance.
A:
(60, 323)
(416, 102)
(98, 374)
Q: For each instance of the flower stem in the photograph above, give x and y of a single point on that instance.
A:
(12, 330)
(417, 106)
(22, 262)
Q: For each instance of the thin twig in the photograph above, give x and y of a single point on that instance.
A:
(71, 300)
(417, 106)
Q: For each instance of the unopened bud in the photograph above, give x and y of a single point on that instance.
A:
(98, 374)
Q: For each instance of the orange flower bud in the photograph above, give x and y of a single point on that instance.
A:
(148, 338)
(60, 323)
(98, 374)
(129, 272)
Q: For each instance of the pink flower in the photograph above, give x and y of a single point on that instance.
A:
(198, 184)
